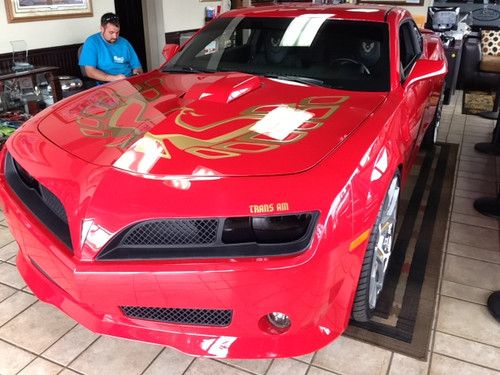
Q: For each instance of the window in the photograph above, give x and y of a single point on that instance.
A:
(313, 49)
(410, 47)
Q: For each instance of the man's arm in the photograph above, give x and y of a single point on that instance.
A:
(88, 61)
(99, 75)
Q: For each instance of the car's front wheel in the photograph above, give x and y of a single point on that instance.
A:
(378, 252)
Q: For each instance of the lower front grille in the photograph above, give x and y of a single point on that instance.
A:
(198, 317)
(173, 232)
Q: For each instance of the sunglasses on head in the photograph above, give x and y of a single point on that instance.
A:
(110, 19)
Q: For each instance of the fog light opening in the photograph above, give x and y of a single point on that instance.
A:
(275, 323)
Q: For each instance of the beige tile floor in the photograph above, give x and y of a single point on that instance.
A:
(36, 338)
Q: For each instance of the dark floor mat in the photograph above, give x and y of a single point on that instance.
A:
(405, 311)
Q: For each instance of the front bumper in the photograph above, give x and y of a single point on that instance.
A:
(315, 297)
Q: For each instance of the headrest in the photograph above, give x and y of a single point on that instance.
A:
(369, 51)
(275, 53)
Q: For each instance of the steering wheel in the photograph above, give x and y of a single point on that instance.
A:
(345, 60)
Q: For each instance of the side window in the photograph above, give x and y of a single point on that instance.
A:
(410, 47)
(419, 39)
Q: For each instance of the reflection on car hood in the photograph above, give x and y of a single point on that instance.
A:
(207, 121)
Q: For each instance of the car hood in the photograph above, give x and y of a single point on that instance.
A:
(222, 124)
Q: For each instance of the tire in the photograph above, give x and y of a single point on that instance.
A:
(374, 268)
(430, 136)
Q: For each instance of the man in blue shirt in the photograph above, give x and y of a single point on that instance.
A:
(106, 56)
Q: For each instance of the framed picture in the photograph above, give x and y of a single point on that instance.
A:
(38, 10)
(392, 2)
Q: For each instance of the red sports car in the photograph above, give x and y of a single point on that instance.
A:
(241, 201)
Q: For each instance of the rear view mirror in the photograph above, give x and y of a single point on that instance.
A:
(425, 69)
(170, 50)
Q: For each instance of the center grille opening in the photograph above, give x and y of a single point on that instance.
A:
(199, 317)
(211, 238)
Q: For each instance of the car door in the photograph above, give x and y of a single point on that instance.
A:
(415, 95)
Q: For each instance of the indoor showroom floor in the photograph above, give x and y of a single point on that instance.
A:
(36, 338)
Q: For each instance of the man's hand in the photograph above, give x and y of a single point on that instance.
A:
(99, 75)
(116, 77)
(137, 71)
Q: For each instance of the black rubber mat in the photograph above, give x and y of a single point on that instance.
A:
(405, 310)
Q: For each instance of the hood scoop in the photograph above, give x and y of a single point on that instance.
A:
(224, 90)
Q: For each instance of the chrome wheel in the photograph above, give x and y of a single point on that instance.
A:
(378, 251)
(385, 231)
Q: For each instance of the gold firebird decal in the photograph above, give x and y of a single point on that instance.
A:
(105, 118)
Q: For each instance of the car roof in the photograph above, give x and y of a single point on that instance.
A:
(366, 12)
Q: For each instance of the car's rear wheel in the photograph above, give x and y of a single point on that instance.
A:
(430, 137)
(378, 252)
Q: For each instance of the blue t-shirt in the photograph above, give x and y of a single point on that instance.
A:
(111, 58)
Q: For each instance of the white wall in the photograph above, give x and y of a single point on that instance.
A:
(420, 10)
(51, 33)
(185, 14)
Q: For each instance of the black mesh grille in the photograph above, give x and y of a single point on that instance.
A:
(197, 238)
(53, 203)
(199, 317)
(173, 232)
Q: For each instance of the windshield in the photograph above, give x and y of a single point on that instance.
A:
(311, 49)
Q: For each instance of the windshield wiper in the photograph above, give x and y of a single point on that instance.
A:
(306, 80)
(187, 69)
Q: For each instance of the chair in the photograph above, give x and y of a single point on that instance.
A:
(87, 81)
(471, 75)
(475, 69)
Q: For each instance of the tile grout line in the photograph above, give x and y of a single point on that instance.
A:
(390, 364)
(154, 359)
(40, 355)
(83, 351)
(17, 289)
(471, 286)
(444, 254)
(468, 257)
(479, 225)
(219, 360)
(467, 339)
(323, 369)
(19, 313)
(14, 287)
(308, 369)
(33, 353)
(464, 300)
(470, 363)
(188, 366)
(59, 339)
(10, 295)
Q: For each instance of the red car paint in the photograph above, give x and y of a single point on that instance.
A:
(210, 164)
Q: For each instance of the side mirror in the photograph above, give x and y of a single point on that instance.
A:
(170, 50)
(425, 69)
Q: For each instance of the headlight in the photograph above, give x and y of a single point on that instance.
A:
(266, 229)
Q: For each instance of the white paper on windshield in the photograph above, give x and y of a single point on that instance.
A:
(281, 122)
